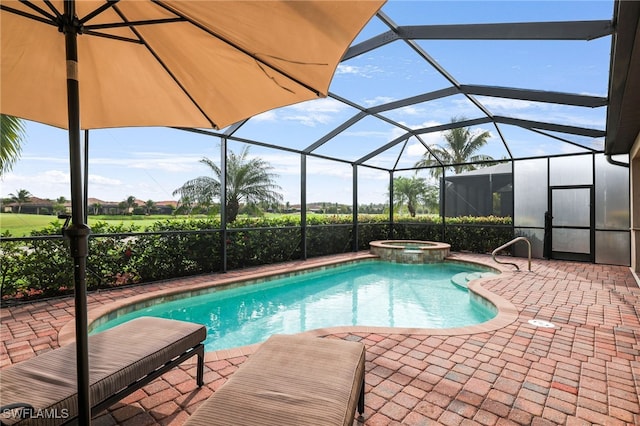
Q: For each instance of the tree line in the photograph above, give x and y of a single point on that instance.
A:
(251, 187)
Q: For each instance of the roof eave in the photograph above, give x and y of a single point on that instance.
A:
(623, 114)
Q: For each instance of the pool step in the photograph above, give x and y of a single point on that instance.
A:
(462, 279)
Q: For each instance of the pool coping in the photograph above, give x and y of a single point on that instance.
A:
(507, 313)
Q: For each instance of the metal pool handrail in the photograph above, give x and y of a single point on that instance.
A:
(504, 246)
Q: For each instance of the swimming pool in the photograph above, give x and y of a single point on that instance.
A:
(371, 293)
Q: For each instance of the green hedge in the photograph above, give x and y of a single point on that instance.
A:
(120, 255)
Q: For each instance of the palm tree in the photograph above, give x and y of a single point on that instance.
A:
(96, 208)
(130, 203)
(59, 205)
(248, 180)
(460, 150)
(20, 197)
(123, 207)
(410, 191)
(12, 133)
(150, 206)
(185, 205)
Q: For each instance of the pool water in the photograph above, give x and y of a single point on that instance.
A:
(370, 293)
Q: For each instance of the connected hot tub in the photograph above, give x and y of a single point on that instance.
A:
(410, 251)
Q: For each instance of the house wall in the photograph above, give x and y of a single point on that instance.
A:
(634, 194)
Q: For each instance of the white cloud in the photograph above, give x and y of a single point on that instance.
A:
(310, 113)
(310, 120)
(420, 125)
(366, 71)
(396, 132)
(283, 164)
(411, 110)
(378, 100)
(545, 112)
(103, 180)
(416, 149)
(320, 105)
(318, 167)
(506, 105)
(578, 120)
(348, 69)
(46, 184)
(266, 116)
(367, 134)
(161, 162)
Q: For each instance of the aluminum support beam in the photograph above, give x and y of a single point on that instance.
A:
(573, 130)
(567, 30)
(425, 97)
(369, 45)
(353, 120)
(535, 95)
(303, 204)
(354, 209)
(383, 148)
(449, 126)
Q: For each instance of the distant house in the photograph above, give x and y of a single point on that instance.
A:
(95, 206)
(483, 192)
(165, 207)
(34, 206)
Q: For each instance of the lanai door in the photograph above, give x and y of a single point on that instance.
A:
(572, 225)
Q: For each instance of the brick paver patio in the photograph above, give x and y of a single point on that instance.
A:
(584, 371)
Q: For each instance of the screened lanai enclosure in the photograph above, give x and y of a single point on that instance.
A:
(545, 98)
(399, 91)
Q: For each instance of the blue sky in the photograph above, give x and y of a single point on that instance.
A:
(150, 163)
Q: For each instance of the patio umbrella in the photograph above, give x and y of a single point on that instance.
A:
(207, 64)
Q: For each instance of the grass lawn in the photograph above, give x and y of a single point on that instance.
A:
(21, 225)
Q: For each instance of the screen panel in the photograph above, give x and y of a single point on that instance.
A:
(530, 192)
(571, 207)
(613, 247)
(612, 195)
(572, 170)
(571, 240)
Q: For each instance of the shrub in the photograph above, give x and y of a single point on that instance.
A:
(170, 248)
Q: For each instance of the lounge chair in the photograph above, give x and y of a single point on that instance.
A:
(121, 360)
(291, 380)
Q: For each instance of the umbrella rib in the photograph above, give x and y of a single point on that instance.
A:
(173, 77)
(134, 23)
(50, 21)
(39, 10)
(98, 11)
(113, 37)
(53, 9)
(239, 48)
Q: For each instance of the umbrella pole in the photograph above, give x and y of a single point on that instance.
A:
(78, 232)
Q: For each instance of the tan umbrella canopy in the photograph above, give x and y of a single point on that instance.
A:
(109, 63)
(174, 63)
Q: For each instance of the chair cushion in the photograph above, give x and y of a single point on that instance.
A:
(117, 357)
(290, 380)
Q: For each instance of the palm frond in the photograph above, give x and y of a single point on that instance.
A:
(12, 133)
(460, 148)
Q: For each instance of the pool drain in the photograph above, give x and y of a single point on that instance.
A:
(541, 323)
